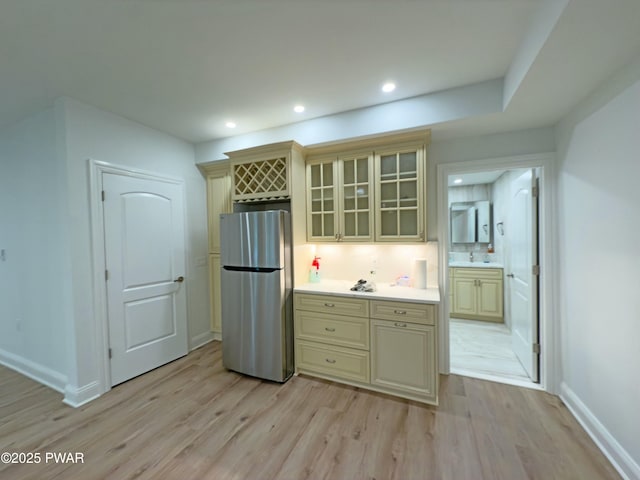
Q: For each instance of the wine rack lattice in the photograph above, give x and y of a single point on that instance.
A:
(261, 179)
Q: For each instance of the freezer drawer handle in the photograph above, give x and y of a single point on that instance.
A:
(330, 305)
(329, 360)
(330, 329)
(400, 312)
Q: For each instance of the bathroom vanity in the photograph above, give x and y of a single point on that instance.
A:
(476, 291)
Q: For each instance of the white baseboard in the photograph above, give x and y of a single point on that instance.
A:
(76, 397)
(626, 466)
(200, 340)
(34, 371)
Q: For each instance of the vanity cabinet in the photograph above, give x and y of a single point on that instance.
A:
(368, 190)
(477, 293)
(339, 200)
(386, 346)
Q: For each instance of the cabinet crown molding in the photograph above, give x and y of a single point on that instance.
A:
(361, 144)
(280, 149)
(215, 167)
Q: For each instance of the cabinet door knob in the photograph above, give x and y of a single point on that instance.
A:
(510, 275)
(400, 312)
(330, 305)
(329, 360)
(403, 325)
(180, 279)
(330, 329)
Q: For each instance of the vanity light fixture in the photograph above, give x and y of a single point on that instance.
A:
(388, 87)
(231, 125)
(457, 181)
(298, 108)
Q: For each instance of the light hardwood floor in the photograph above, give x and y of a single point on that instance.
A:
(192, 419)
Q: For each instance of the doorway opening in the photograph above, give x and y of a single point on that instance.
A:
(495, 310)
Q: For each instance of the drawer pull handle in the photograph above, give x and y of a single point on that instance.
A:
(328, 329)
(400, 312)
(403, 325)
(329, 360)
(330, 305)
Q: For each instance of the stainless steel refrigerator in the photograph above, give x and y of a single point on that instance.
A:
(257, 312)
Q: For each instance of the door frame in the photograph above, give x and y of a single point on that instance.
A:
(100, 314)
(547, 242)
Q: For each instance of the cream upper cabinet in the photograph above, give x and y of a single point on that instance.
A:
(264, 172)
(369, 190)
(477, 293)
(400, 199)
(339, 198)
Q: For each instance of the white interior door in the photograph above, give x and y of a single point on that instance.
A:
(145, 255)
(523, 282)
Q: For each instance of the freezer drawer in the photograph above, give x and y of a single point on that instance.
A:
(257, 335)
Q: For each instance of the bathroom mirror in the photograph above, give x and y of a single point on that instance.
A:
(471, 222)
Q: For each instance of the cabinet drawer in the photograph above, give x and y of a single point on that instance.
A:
(345, 363)
(332, 305)
(488, 273)
(404, 312)
(340, 330)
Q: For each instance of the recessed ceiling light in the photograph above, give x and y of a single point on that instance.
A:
(388, 87)
(298, 108)
(457, 180)
(231, 124)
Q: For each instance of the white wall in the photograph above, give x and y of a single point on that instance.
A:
(599, 228)
(507, 144)
(90, 133)
(34, 295)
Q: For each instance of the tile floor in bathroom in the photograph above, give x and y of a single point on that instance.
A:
(483, 348)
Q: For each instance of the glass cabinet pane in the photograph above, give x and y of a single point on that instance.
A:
(363, 170)
(408, 222)
(348, 176)
(388, 166)
(362, 196)
(329, 230)
(327, 174)
(408, 164)
(408, 194)
(363, 224)
(316, 176)
(316, 200)
(389, 224)
(349, 198)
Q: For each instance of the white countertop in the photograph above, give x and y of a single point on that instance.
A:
(384, 291)
(476, 264)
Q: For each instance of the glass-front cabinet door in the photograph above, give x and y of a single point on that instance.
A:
(356, 218)
(322, 205)
(400, 199)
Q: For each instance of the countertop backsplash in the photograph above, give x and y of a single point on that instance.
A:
(353, 262)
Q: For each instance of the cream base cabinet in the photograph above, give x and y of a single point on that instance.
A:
(379, 345)
(403, 357)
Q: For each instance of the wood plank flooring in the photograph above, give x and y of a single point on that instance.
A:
(192, 419)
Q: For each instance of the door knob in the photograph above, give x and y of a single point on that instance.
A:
(510, 275)
(180, 279)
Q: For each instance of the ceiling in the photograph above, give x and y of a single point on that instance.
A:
(187, 67)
